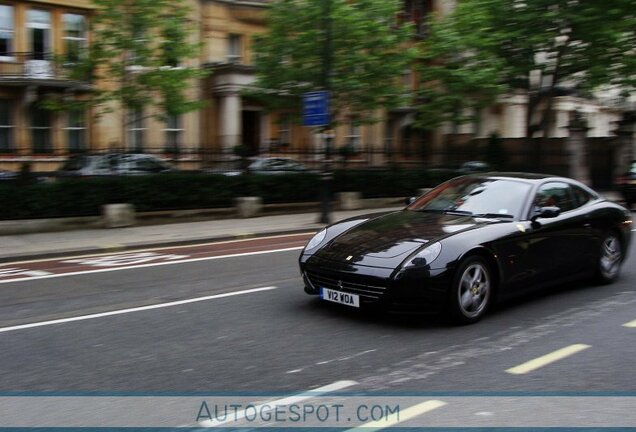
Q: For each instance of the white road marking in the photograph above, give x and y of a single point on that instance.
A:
(338, 385)
(631, 324)
(160, 248)
(402, 416)
(131, 310)
(544, 360)
(125, 259)
(188, 260)
(352, 356)
(13, 271)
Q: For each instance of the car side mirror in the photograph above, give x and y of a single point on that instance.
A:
(409, 201)
(546, 213)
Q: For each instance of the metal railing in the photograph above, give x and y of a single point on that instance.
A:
(29, 65)
(551, 157)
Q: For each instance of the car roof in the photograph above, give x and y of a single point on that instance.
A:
(532, 178)
(527, 177)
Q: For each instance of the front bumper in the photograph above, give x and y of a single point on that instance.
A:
(411, 291)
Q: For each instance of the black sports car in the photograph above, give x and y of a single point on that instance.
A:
(467, 242)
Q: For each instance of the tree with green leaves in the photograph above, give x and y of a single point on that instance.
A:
(138, 59)
(353, 49)
(487, 48)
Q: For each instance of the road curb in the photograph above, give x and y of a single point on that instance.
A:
(147, 245)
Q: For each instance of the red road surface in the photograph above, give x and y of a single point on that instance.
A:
(100, 262)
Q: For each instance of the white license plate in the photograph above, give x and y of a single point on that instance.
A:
(340, 297)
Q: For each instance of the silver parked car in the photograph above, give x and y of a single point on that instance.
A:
(113, 164)
(276, 165)
(260, 165)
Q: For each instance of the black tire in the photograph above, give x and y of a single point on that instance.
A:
(610, 258)
(472, 291)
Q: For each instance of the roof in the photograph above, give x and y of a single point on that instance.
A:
(520, 175)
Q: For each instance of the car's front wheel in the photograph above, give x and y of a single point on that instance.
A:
(472, 290)
(610, 258)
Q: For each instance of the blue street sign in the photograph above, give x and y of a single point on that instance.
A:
(316, 108)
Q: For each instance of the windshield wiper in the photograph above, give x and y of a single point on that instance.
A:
(494, 215)
(467, 213)
(481, 215)
(425, 210)
(458, 212)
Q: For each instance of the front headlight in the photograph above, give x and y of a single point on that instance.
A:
(424, 257)
(316, 240)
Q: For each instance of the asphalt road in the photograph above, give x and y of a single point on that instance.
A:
(237, 319)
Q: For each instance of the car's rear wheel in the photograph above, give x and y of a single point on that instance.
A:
(610, 258)
(472, 290)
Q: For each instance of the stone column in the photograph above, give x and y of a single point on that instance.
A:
(230, 108)
(577, 150)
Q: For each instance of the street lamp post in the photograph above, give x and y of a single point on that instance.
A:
(326, 176)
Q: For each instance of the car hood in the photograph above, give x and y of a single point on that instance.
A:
(393, 236)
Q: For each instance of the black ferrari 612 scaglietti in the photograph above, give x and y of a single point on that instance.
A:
(467, 242)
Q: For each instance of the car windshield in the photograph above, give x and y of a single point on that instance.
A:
(74, 163)
(474, 196)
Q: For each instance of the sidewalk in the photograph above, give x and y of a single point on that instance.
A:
(92, 241)
(48, 245)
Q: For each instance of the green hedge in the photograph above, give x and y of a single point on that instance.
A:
(84, 197)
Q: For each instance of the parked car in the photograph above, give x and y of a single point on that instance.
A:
(113, 164)
(261, 165)
(626, 183)
(7, 175)
(276, 165)
(468, 242)
(473, 167)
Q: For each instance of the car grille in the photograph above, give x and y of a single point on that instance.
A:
(346, 283)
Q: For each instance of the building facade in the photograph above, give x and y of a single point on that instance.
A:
(33, 33)
(30, 32)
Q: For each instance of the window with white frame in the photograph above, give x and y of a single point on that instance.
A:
(354, 134)
(40, 128)
(407, 79)
(6, 126)
(39, 32)
(136, 129)
(173, 131)
(171, 38)
(285, 130)
(6, 32)
(76, 131)
(136, 55)
(234, 47)
(75, 36)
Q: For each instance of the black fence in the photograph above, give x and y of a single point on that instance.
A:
(549, 156)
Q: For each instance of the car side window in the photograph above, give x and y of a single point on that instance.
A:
(103, 164)
(556, 194)
(278, 164)
(147, 164)
(582, 197)
(268, 165)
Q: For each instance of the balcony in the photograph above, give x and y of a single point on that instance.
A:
(28, 69)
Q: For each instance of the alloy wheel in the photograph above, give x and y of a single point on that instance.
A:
(474, 290)
(610, 257)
